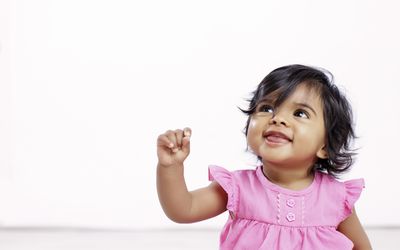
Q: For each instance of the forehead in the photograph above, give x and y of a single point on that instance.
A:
(303, 93)
(306, 93)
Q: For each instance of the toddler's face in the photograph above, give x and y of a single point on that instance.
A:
(291, 135)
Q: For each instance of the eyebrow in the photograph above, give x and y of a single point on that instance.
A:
(305, 105)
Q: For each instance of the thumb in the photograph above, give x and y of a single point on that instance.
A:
(187, 133)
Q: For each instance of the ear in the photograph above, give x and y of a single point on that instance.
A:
(321, 153)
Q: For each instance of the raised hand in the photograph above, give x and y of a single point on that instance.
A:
(173, 147)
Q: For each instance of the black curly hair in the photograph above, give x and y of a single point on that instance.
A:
(338, 116)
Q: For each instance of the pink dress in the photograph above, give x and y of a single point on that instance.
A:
(267, 216)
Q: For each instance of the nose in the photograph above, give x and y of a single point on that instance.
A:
(278, 120)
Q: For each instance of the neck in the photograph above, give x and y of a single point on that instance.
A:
(295, 179)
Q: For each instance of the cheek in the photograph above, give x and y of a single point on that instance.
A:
(254, 127)
(253, 131)
(321, 134)
(252, 124)
(312, 137)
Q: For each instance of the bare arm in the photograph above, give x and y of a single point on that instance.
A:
(178, 203)
(352, 228)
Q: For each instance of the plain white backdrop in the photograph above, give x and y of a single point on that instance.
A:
(87, 86)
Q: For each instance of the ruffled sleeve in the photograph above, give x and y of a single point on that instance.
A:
(226, 181)
(353, 190)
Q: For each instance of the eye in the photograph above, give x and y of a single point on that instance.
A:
(301, 113)
(265, 108)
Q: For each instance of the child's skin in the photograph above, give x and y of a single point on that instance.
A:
(289, 141)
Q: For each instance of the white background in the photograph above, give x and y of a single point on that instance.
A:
(87, 86)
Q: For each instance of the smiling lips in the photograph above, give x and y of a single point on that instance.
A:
(275, 137)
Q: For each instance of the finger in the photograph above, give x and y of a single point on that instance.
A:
(186, 144)
(179, 136)
(187, 132)
(172, 138)
(163, 141)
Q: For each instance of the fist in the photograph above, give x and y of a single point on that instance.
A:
(173, 147)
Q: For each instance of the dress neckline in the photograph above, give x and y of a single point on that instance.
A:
(270, 185)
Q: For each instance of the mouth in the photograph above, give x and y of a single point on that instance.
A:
(275, 137)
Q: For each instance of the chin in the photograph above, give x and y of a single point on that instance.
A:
(275, 161)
